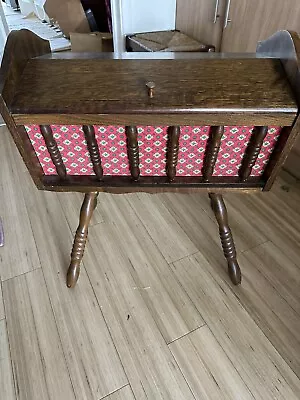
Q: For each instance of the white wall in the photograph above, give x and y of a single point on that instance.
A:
(133, 16)
(148, 15)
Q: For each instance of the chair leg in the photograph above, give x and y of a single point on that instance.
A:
(219, 208)
(86, 212)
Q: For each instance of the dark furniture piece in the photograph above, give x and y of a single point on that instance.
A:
(152, 122)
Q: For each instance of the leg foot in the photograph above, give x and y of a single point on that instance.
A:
(234, 271)
(86, 212)
(73, 273)
(219, 208)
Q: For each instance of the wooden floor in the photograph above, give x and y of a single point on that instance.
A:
(154, 315)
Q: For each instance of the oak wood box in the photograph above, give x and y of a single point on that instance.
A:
(151, 122)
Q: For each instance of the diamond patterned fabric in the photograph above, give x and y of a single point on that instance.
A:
(152, 149)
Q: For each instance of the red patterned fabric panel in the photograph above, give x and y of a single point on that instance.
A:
(152, 149)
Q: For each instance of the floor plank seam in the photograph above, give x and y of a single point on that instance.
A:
(182, 258)
(108, 328)
(145, 227)
(248, 302)
(159, 332)
(73, 231)
(247, 312)
(24, 273)
(253, 247)
(58, 334)
(279, 295)
(10, 357)
(208, 325)
(231, 362)
(12, 148)
(90, 226)
(186, 334)
(286, 255)
(38, 342)
(188, 385)
(67, 221)
(115, 391)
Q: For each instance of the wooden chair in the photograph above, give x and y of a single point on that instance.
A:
(151, 122)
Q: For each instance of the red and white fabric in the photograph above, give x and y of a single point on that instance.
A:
(152, 149)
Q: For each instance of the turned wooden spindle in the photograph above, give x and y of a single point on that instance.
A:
(212, 151)
(133, 151)
(86, 212)
(92, 145)
(53, 149)
(172, 151)
(219, 209)
(252, 151)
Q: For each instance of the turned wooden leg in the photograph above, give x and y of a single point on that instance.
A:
(86, 212)
(218, 206)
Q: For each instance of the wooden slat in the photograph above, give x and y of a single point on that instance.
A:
(40, 371)
(206, 367)
(19, 253)
(268, 304)
(125, 184)
(282, 274)
(2, 315)
(263, 370)
(168, 235)
(173, 313)
(252, 151)
(133, 151)
(54, 152)
(274, 227)
(211, 152)
(211, 118)
(6, 378)
(92, 360)
(92, 145)
(172, 151)
(126, 302)
(198, 222)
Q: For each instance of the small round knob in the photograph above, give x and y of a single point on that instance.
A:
(150, 86)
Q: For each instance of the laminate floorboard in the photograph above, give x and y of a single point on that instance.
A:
(154, 314)
(2, 315)
(39, 366)
(6, 378)
(16, 222)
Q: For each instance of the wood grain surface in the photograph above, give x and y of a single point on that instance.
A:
(93, 363)
(33, 338)
(2, 314)
(6, 378)
(122, 394)
(233, 328)
(14, 215)
(245, 84)
(196, 354)
(182, 316)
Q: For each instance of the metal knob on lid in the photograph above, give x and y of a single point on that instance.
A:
(151, 87)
